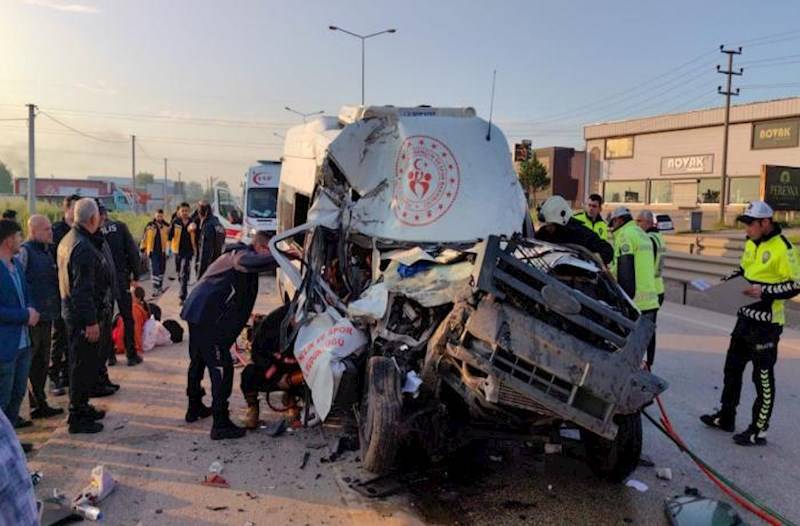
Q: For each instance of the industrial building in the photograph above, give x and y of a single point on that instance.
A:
(673, 163)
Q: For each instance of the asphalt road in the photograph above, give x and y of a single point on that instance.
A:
(159, 460)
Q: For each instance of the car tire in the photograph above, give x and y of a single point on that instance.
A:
(379, 422)
(614, 460)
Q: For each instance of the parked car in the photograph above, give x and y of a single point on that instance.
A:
(664, 223)
(422, 303)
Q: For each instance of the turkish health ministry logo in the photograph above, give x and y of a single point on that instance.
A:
(427, 179)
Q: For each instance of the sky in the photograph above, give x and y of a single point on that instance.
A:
(205, 83)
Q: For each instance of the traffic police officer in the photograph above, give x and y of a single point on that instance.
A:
(211, 238)
(771, 266)
(127, 265)
(647, 222)
(590, 216)
(634, 264)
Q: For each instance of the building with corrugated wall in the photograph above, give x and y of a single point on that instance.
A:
(673, 162)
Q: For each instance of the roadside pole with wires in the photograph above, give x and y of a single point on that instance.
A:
(728, 93)
(31, 159)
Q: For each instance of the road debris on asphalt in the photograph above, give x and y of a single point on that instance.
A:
(692, 509)
(638, 485)
(664, 473)
(216, 508)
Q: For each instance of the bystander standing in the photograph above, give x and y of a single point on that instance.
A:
(38, 261)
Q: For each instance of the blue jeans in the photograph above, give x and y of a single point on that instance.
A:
(13, 383)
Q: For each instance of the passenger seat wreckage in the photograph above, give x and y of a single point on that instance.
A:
(423, 304)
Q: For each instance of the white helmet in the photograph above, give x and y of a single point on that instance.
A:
(555, 210)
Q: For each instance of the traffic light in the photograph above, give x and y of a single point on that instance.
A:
(522, 152)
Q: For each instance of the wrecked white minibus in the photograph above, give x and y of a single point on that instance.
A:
(422, 305)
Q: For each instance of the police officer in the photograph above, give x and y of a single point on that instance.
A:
(183, 242)
(59, 367)
(127, 265)
(634, 263)
(212, 238)
(217, 310)
(647, 222)
(85, 282)
(771, 266)
(590, 217)
(558, 226)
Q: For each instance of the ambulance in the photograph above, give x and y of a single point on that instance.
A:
(260, 199)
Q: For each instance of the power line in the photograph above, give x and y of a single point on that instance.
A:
(197, 121)
(79, 132)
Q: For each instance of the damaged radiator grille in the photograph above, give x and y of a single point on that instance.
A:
(507, 395)
(532, 375)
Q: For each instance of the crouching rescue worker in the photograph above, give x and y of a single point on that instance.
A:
(558, 226)
(270, 370)
(770, 264)
(217, 310)
(634, 266)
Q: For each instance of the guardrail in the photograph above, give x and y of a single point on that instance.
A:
(684, 267)
(706, 245)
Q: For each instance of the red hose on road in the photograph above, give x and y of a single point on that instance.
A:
(669, 430)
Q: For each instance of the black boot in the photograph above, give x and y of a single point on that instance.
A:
(224, 429)
(81, 421)
(722, 420)
(197, 410)
(94, 413)
(45, 411)
(134, 360)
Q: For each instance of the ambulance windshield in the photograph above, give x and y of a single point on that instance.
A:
(262, 202)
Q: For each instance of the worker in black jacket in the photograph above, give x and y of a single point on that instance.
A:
(127, 265)
(85, 282)
(217, 310)
(211, 239)
(559, 227)
(59, 368)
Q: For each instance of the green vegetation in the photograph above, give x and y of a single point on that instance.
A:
(533, 177)
(6, 178)
(135, 222)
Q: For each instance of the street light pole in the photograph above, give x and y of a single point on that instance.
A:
(302, 114)
(363, 39)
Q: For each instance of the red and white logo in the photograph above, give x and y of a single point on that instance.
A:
(261, 179)
(426, 183)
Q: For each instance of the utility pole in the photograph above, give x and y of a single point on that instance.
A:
(133, 174)
(723, 194)
(31, 159)
(166, 198)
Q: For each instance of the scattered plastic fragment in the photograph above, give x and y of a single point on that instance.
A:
(664, 473)
(638, 485)
(216, 508)
(215, 481)
(215, 467)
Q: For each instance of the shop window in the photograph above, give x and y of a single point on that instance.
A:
(708, 191)
(660, 192)
(744, 189)
(624, 191)
(619, 148)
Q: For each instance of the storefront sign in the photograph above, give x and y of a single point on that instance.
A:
(781, 187)
(776, 134)
(688, 164)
